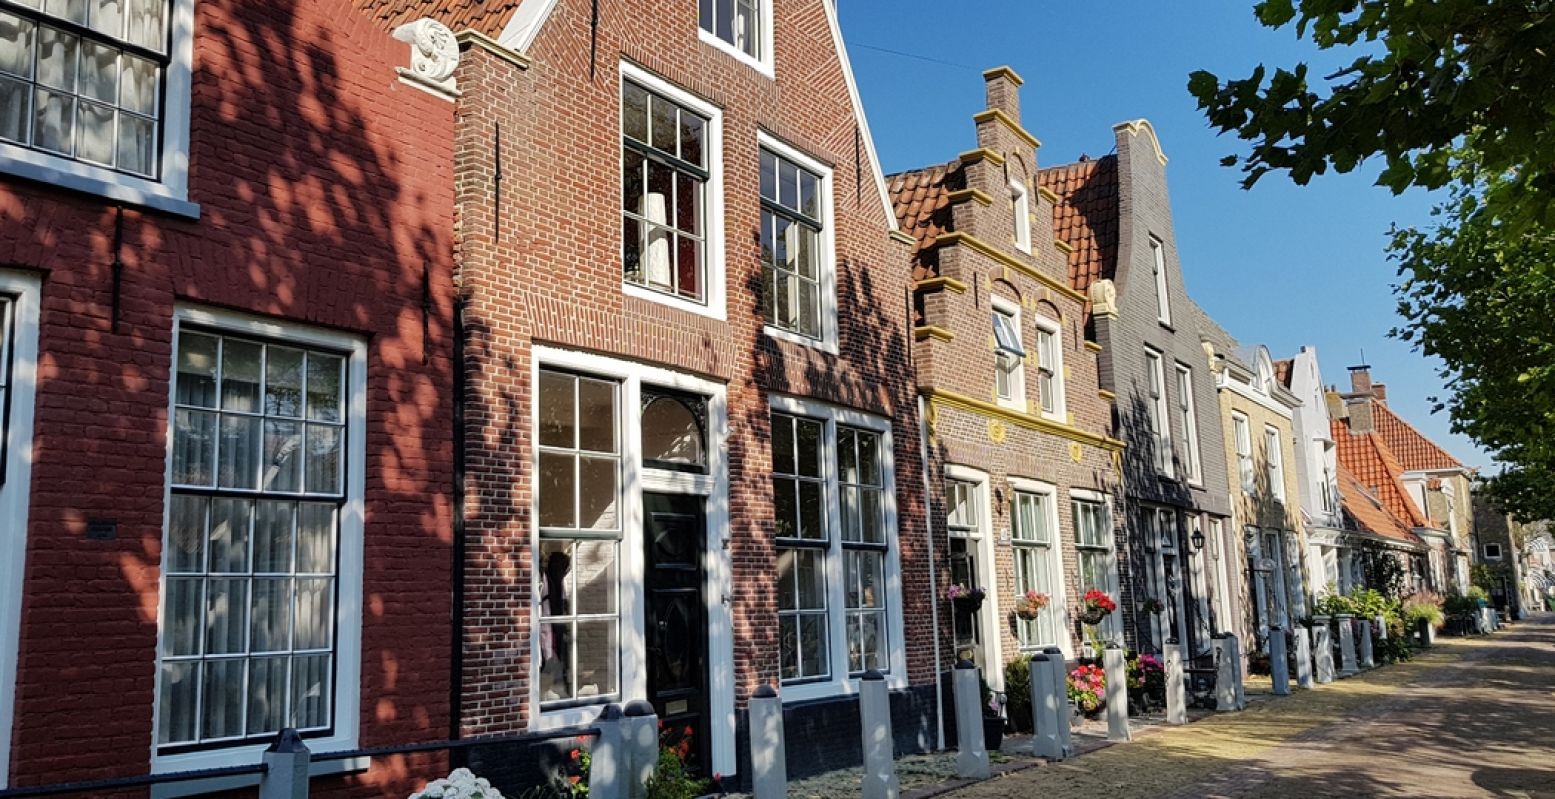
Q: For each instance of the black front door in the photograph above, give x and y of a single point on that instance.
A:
(675, 535)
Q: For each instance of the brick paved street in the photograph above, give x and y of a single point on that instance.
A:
(1474, 717)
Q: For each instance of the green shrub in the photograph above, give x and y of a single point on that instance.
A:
(670, 780)
(1332, 605)
(1460, 605)
(1370, 603)
(1422, 605)
(1479, 595)
(1017, 694)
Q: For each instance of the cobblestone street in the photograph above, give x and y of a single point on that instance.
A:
(1472, 717)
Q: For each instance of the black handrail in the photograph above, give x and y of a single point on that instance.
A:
(115, 783)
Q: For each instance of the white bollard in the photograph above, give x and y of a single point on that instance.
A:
(641, 732)
(1116, 670)
(1303, 656)
(1176, 687)
(1225, 673)
(874, 703)
(286, 768)
(971, 754)
(1237, 671)
(1368, 655)
(1058, 670)
(1380, 624)
(1279, 665)
(1426, 631)
(1322, 650)
(769, 758)
(1045, 707)
(1347, 664)
(607, 763)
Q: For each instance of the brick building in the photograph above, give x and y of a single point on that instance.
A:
(1022, 467)
(226, 296)
(690, 430)
(1114, 215)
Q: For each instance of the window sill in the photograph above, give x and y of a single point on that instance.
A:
(576, 716)
(710, 309)
(777, 333)
(831, 689)
(245, 755)
(84, 178)
(762, 66)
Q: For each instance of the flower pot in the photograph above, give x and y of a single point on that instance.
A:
(1092, 616)
(1029, 615)
(993, 733)
(968, 604)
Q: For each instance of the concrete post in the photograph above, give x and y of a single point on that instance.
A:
(1176, 688)
(286, 768)
(1279, 665)
(972, 756)
(1347, 664)
(1058, 670)
(1225, 673)
(607, 764)
(1303, 656)
(1380, 624)
(1368, 656)
(769, 758)
(640, 731)
(1426, 632)
(1237, 671)
(874, 704)
(1116, 669)
(1046, 708)
(1322, 649)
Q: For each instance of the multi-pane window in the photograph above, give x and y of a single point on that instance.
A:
(83, 79)
(664, 162)
(1190, 421)
(863, 548)
(735, 22)
(249, 633)
(1163, 307)
(1050, 366)
(1326, 491)
(1020, 206)
(1093, 546)
(799, 499)
(578, 496)
(1160, 426)
(791, 224)
(963, 521)
(1276, 464)
(1009, 354)
(1244, 452)
(1032, 536)
(7, 322)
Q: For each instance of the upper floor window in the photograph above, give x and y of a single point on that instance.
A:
(1244, 451)
(1050, 369)
(1160, 424)
(796, 270)
(94, 96)
(1189, 419)
(1020, 204)
(1163, 307)
(744, 27)
(1492, 551)
(1009, 355)
(1271, 443)
(665, 169)
(7, 317)
(1328, 492)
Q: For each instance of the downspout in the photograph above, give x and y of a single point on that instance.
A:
(456, 655)
(928, 526)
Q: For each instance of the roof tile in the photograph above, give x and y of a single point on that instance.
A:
(1367, 458)
(1086, 216)
(486, 16)
(922, 202)
(1415, 452)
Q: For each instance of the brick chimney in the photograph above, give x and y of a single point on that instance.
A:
(1336, 407)
(1003, 87)
(1360, 379)
(1361, 420)
(1380, 392)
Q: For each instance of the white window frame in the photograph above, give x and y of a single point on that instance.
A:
(987, 573)
(1221, 550)
(348, 618)
(1020, 204)
(1163, 303)
(1274, 458)
(1486, 550)
(826, 246)
(1058, 605)
(1190, 423)
(714, 271)
(170, 193)
(840, 682)
(25, 288)
(1016, 374)
(1112, 627)
(1053, 329)
(1160, 414)
(1242, 436)
(764, 63)
(631, 600)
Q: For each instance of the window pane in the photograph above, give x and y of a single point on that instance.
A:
(788, 185)
(596, 415)
(196, 370)
(315, 538)
(871, 511)
(282, 457)
(595, 573)
(811, 580)
(812, 511)
(107, 16)
(788, 579)
(782, 444)
(597, 493)
(810, 432)
(53, 124)
(229, 535)
(183, 616)
(865, 582)
(267, 694)
(662, 118)
(175, 720)
(693, 130)
(809, 195)
(313, 622)
(272, 615)
(850, 514)
(238, 465)
(785, 504)
(222, 716)
(557, 419)
(557, 486)
(688, 267)
(596, 641)
(814, 660)
(100, 76)
(324, 382)
(139, 90)
(57, 58)
(556, 584)
(240, 375)
(185, 535)
(556, 661)
(283, 382)
(145, 24)
(137, 144)
(95, 129)
(634, 111)
(73, 10)
(768, 175)
(17, 38)
(226, 615)
(788, 647)
(273, 537)
(15, 109)
(323, 464)
(311, 678)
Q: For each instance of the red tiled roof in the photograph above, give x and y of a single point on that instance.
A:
(1366, 512)
(1415, 452)
(1086, 216)
(1370, 462)
(921, 199)
(1282, 370)
(486, 16)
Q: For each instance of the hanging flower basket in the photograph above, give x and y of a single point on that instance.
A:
(1092, 616)
(964, 598)
(1031, 604)
(1097, 606)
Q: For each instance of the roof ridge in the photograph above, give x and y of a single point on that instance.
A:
(1424, 439)
(1395, 471)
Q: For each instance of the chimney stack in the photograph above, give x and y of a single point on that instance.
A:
(1380, 391)
(1360, 379)
(1361, 420)
(1003, 87)
(1336, 407)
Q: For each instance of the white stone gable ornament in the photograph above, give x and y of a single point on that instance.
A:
(434, 53)
(1104, 298)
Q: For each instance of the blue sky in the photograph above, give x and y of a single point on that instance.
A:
(1283, 265)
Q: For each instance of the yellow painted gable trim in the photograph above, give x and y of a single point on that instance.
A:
(962, 195)
(940, 284)
(951, 399)
(1106, 395)
(1063, 246)
(899, 236)
(1048, 194)
(1005, 70)
(959, 237)
(470, 37)
(1006, 120)
(1092, 346)
(973, 156)
(932, 331)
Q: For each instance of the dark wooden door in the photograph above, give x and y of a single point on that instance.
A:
(674, 536)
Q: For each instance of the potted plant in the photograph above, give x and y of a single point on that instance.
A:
(1088, 689)
(993, 718)
(1146, 682)
(964, 598)
(1096, 606)
(1152, 605)
(1031, 604)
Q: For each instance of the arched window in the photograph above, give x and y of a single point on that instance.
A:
(674, 431)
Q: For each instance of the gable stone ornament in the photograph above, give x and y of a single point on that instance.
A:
(1104, 298)
(434, 53)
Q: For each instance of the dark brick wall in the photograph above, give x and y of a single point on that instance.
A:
(827, 734)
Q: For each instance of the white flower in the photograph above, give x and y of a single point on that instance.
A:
(461, 784)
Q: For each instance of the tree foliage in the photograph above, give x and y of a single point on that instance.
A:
(1457, 94)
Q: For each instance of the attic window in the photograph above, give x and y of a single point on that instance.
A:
(1492, 552)
(740, 26)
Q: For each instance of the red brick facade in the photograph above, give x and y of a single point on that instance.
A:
(326, 197)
